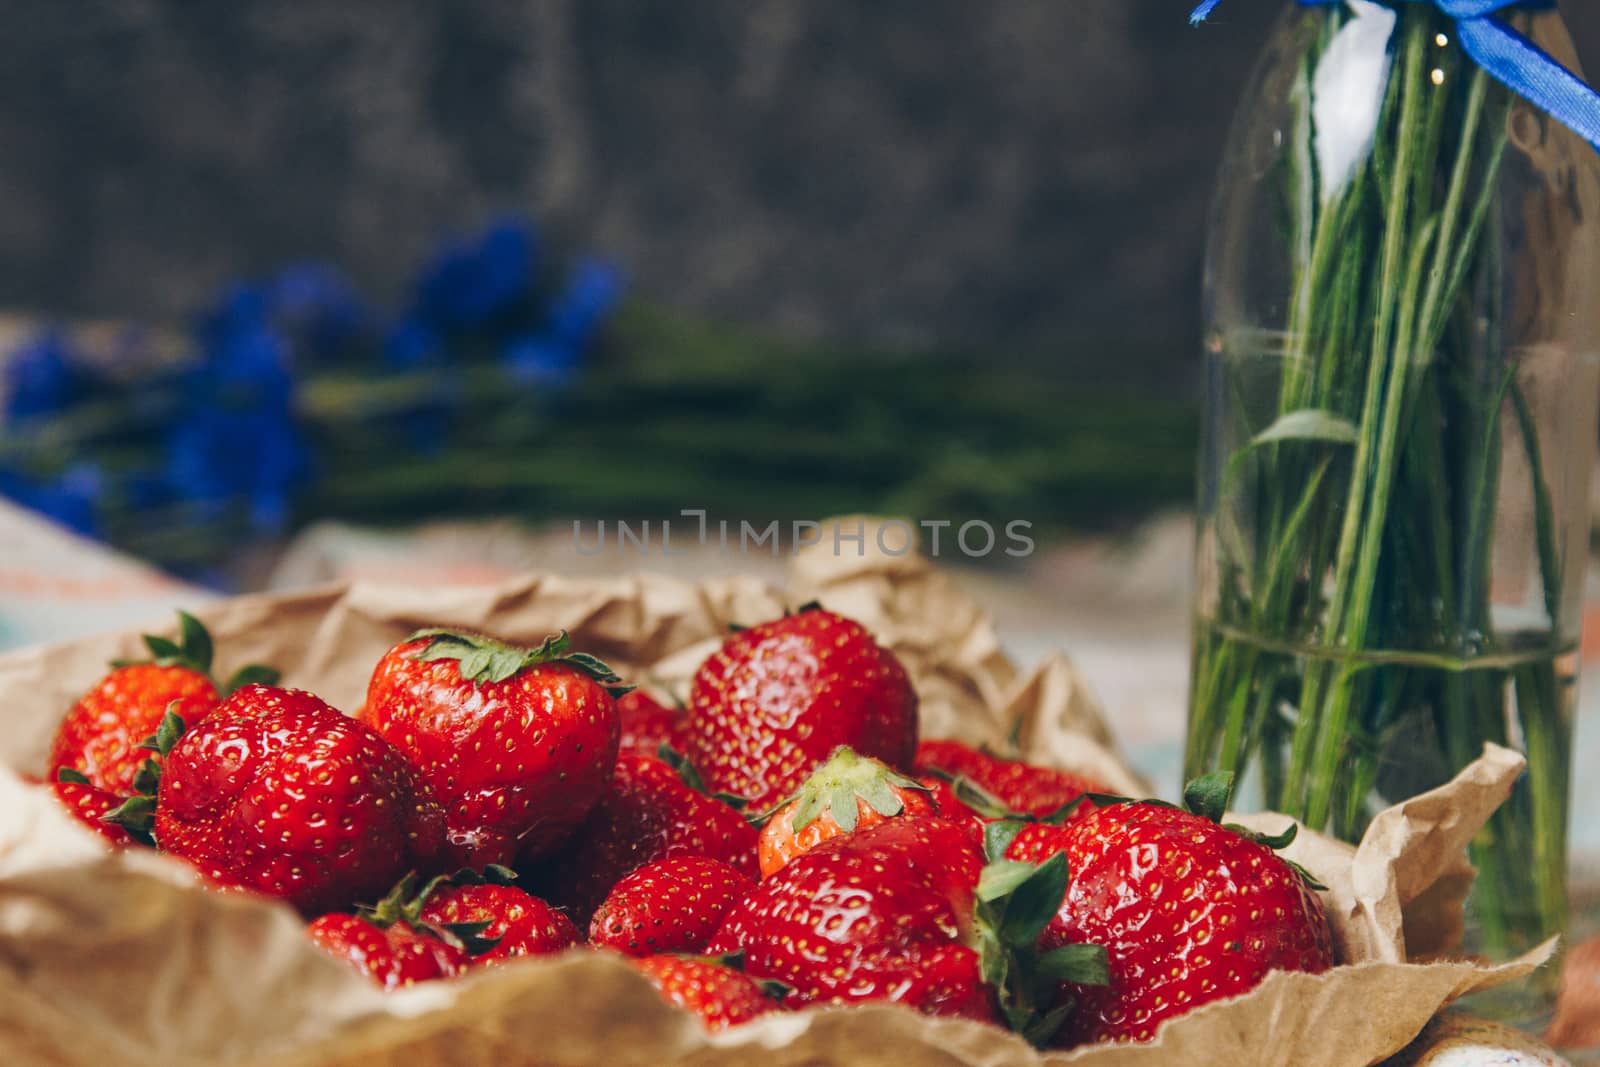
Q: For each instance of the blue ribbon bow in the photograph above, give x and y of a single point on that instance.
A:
(1509, 57)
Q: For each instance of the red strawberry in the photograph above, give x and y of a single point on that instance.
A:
(775, 700)
(518, 744)
(847, 793)
(899, 912)
(90, 805)
(710, 988)
(647, 724)
(1019, 786)
(652, 811)
(487, 907)
(389, 943)
(1188, 911)
(672, 905)
(99, 737)
(279, 793)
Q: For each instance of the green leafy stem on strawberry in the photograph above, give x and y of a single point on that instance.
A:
(405, 902)
(992, 807)
(194, 650)
(137, 814)
(1015, 902)
(691, 778)
(484, 660)
(835, 786)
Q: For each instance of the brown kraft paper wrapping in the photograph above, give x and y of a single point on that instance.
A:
(124, 959)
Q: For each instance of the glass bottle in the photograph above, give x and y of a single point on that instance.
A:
(1402, 301)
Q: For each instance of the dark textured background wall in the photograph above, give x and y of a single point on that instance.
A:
(955, 172)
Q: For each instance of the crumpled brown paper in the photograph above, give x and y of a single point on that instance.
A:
(123, 958)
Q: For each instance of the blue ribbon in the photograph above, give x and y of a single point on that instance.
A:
(1509, 57)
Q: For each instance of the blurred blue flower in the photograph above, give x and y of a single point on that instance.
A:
(237, 439)
(413, 346)
(539, 359)
(551, 356)
(320, 307)
(577, 314)
(410, 345)
(41, 378)
(71, 500)
(469, 283)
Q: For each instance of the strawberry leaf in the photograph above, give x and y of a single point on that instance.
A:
(167, 734)
(72, 777)
(470, 936)
(251, 674)
(1272, 841)
(194, 643)
(1016, 901)
(1040, 1030)
(1306, 876)
(842, 806)
(1035, 902)
(484, 660)
(1207, 796)
(997, 838)
(774, 989)
(1081, 964)
(838, 785)
(147, 779)
(136, 815)
(1001, 878)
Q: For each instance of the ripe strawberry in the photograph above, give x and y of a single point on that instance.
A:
(775, 700)
(652, 811)
(647, 724)
(518, 744)
(1019, 786)
(711, 988)
(907, 911)
(389, 943)
(1188, 911)
(488, 907)
(99, 736)
(279, 793)
(90, 805)
(847, 793)
(672, 905)
(392, 956)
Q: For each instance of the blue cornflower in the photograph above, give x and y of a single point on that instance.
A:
(413, 346)
(591, 294)
(551, 355)
(469, 283)
(237, 439)
(320, 306)
(41, 378)
(71, 500)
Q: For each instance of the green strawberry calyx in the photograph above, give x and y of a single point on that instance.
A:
(483, 660)
(993, 808)
(194, 651)
(404, 904)
(691, 778)
(1015, 902)
(137, 814)
(837, 787)
(1208, 796)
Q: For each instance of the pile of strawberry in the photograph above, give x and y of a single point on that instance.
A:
(784, 841)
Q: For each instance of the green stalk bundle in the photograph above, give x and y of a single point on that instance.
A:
(1345, 649)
